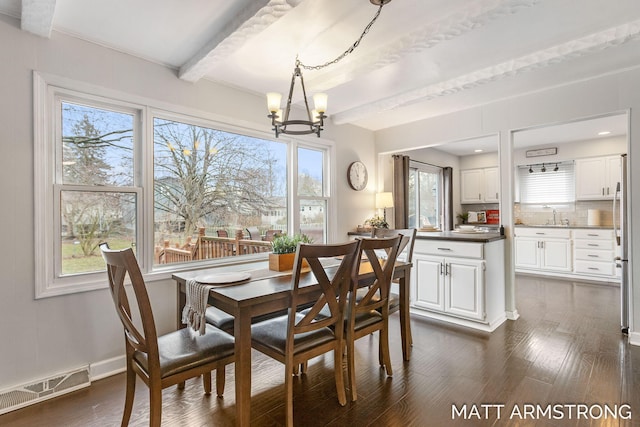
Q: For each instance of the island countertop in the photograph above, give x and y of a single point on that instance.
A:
(478, 237)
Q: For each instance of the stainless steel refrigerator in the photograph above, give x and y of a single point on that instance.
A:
(621, 229)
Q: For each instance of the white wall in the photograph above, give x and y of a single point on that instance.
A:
(615, 92)
(48, 336)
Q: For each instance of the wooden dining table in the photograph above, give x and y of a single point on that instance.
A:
(270, 292)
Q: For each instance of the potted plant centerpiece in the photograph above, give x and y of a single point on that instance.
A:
(284, 251)
(377, 222)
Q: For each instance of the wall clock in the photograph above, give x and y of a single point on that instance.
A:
(357, 176)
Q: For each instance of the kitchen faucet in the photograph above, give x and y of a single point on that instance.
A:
(554, 217)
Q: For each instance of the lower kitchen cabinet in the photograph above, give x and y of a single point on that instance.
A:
(572, 253)
(460, 282)
(450, 285)
(543, 254)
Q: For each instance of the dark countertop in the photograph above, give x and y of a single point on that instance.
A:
(571, 227)
(479, 237)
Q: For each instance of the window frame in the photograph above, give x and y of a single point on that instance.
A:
(46, 184)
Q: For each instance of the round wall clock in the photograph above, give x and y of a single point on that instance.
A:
(357, 176)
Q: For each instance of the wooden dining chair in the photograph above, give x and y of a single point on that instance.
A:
(253, 233)
(406, 254)
(296, 337)
(369, 313)
(160, 361)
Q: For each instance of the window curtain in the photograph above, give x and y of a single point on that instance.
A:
(447, 189)
(400, 190)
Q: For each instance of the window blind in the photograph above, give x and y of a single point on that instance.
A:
(548, 187)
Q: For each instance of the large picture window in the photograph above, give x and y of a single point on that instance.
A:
(178, 188)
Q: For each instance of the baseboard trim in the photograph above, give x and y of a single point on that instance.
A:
(107, 368)
(634, 338)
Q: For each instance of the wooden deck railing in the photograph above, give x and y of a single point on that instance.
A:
(207, 247)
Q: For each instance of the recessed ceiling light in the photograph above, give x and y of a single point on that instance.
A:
(604, 132)
(477, 150)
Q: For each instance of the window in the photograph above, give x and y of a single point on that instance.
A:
(312, 193)
(425, 196)
(109, 169)
(551, 187)
(208, 179)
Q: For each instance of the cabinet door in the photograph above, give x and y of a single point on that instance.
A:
(429, 282)
(590, 178)
(527, 252)
(491, 185)
(471, 185)
(614, 170)
(464, 285)
(556, 255)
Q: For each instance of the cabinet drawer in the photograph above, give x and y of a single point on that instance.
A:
(591, 255)
(599, 268)
(448, 248)
(593, 234)
(593, 244)
(556, 233)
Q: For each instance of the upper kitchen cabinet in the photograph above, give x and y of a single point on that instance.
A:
(480, 185)
(596, 177)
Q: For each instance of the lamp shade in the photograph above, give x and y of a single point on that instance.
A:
(384, 200)
(273, 101)
(320, 102)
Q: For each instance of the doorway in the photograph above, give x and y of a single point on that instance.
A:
(590, 150)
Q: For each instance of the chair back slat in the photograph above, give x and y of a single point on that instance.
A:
(334, 289)
(121, 263)
(377, 296)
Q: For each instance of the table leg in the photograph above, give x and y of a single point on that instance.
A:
(181, 300)
(405, 319)
(242, 333)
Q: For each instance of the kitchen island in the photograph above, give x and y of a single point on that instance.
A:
(459, 277)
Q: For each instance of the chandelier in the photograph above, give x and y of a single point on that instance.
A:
(314, 121)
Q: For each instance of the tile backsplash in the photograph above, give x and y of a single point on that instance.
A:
(577, 217)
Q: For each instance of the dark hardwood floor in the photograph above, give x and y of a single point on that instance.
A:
(566, 348)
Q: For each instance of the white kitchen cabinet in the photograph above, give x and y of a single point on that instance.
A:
(480, 185)
(460, 282)
(451, 285)
(547, 249)
(596, 177)
(594, 252)
(491, 185)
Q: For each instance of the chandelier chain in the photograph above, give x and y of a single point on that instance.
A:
(346, 52)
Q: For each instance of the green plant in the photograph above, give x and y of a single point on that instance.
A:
(377, 222)
(285, 244)
(463, 217)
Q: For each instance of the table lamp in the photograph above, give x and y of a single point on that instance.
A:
(384, 200)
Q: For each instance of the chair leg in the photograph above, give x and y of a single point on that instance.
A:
(155, 404)
(220, 380)
(206, 382)
(351, 371)
(384, 350)
(129, 394)
(288, 388)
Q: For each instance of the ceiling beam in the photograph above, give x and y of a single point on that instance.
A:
(248, 23)
(580, 47)
(37, 16)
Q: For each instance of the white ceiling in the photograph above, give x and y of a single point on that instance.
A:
(422, 58)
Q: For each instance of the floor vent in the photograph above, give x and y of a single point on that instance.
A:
(38, 391)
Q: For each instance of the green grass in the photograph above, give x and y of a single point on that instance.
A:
(74, 261)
